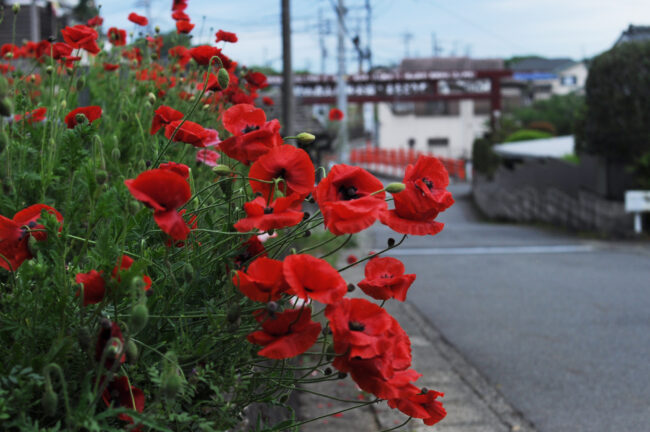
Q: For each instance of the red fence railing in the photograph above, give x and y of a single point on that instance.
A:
(393, 162)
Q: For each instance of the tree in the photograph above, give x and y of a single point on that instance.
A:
(616, 122)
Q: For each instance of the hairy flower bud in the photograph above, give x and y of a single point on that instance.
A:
(116, 154)
(172, 385)
(395, 187)
(223, 78)
(233, 313)
(101, 177)
(6, 107)
(222, 170)
(151, 98)
(49, 70)
(15, 8)
(139, 317)
(305, 138)
(81, 83)
(131, 351)
(80, 118)
(49, 401)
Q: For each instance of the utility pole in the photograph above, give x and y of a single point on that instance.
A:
(342, 97)
(407, 41)
(323, 29)
(435, 47)
(287, 72)
(374, 123)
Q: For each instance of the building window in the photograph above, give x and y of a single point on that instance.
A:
(569, 80)
(438, 142)
(411, 143)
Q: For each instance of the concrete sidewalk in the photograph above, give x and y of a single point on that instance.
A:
(472, 404)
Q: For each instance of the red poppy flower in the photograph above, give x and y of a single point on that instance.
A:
(285, 335)
(268, 101)
(207, 157)
(314, 278)
(117, 36)
(335, 114)
(109, 67)
(424, 197)
(351, 259)
(107, 331)
(92, 113)
(187, 132)
(180, 15)
(179, 5)
(280, 213)
(253, 248)
(179, 168)
(253, 135)
(385, 279)
(94, 286)
(120, 394)
(226, 36)
(164, 191)
(15, 233)
(181, 54)
(31, 117)
(366, 374)
(256, 80)
(346, 199)
(95, 21)
(138, 19)
(423, 406)
(81, 36)
(184, 26)
(287, 162)
(203, 53)
(263, 281)
(56, 50)
(125, 263)
(163, 116)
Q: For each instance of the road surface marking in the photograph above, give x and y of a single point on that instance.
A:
(490, 250)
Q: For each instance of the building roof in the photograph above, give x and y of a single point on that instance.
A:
(555, 148)
(634, 34)
(449, 64)
(542, 65)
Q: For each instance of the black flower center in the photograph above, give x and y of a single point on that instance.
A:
(427, 182)
(268, 210)
(249, 128)
(348, 193)
(356, 326)
(386, 276)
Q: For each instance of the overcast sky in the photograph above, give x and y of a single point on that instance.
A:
(481, 28)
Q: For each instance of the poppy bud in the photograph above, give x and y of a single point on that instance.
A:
(15, 8)
(116, 154)
(83, 338)
(395, 187)
(342, 375)
(305, 138)
(80, 118)
(4, 140)
(151, 97)
(391, 242)
(49, 401)
(32, 245)
(206, 107)
(124, 116)
(233, 313)
(307, 233)
(4, 86)
(283, 398)
(157, 29)
(139, 317)
(188, 271)
(101, 176)
(141, 165)
(154, 56)
(69, 70)
(81, 82)
(171, 385)
(49, 70)
(134, 207)
(223, 78)
(131, 351)
(272, 306)
(222, 170)
(327, 371)
(9, 55)
(6, 107)
(64, 104)
(351, 287)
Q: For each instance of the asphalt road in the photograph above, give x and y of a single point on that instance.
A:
(559, 324)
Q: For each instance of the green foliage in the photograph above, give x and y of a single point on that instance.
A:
(527, 134)
(561, 111)
(616, 123)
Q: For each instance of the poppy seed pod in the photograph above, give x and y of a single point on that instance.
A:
(64, 104)
(81, 83)
(139, 317)
(305, 138)
(80, 118)
(395, 187)
(151, 98)
(223, 78)
(116, 154)
(49, 70)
